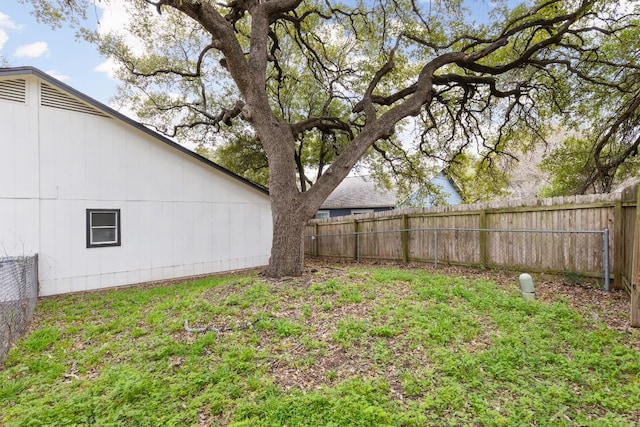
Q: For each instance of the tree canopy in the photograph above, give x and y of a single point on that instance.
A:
(406, 86)
(603, 120)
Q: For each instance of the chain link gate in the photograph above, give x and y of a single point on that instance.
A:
(18, 295)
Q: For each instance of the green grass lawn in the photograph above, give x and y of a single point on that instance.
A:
(346, 346)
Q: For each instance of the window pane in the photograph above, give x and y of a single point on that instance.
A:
(103, 227)
(103, 235)
(103, 219)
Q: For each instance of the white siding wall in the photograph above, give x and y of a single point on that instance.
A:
(179, 217)
(19, 175)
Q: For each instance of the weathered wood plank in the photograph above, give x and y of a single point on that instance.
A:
(635, 275)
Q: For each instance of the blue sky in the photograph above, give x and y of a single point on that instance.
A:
(23, 41)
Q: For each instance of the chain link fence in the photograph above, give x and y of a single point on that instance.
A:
(18, 295)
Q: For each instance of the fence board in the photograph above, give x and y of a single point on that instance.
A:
(381, 239)
(628, 233)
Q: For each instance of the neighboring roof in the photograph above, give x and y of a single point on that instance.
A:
(359, 192)
(18, 71)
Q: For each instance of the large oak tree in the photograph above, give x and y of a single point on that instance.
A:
(322, 84)
(601, 148)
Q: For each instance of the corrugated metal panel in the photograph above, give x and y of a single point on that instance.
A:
(51, 97)
(13, 90)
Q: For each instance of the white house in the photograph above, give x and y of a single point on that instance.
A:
(106, 202)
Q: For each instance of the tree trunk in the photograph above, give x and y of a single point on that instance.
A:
(288, 210)
(287, 248)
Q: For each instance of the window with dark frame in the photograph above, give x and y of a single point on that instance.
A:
(103, 227)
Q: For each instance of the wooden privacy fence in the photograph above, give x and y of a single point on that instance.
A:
(582, 252)
(592, 235)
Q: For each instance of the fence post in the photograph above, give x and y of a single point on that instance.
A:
(483, 238)
(435, 254)
(356, 251)
(605, 255)
(405, 238)
(314, 242)
(618, 245)
(635, 271)
(36, 273)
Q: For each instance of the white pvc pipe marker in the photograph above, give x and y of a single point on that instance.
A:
(526, 287)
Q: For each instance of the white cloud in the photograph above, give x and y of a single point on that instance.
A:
(108, 67)
(57, 75)
(116, 19)
(33, 50)
(3, 37)
(6, 24)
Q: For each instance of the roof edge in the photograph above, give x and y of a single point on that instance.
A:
(29, 70)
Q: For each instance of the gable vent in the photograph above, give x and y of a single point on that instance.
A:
(13, 90)
(52, 97)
